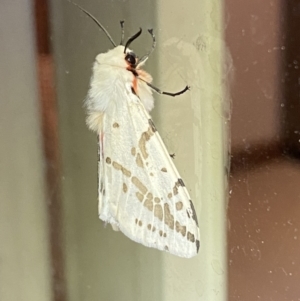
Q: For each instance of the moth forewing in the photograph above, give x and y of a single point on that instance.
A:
(142, 193)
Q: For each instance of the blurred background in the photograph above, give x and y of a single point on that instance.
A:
(242, 60)
(263, 210)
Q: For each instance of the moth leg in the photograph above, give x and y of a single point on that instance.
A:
(122, 32)
(146, 56)
(163, 92)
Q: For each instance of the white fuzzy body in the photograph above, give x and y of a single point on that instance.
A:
(140, 190)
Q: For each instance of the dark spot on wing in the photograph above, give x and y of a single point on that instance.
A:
(179, 206)
(139, 161)
(151, 123)
(197, 245)
(175, 190)
(158, 212)
(138, 184)
(194, 212)
(156, 200)
(139, 196)
(191, 237)
(133, 151)
(145, 137)
(181, 182)
(181, 229)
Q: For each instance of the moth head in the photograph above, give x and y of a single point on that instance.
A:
(131, 58)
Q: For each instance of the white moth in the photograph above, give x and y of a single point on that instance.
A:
(139, 189)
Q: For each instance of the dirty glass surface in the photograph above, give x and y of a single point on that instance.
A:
(235, 135)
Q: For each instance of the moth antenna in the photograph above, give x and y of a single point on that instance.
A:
(96, 21)
(122, 32)
(131, 39)
(146, 56)
(163, 92)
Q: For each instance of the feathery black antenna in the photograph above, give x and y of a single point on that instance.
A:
(131, 39)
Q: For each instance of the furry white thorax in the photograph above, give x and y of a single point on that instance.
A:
(109, 82)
